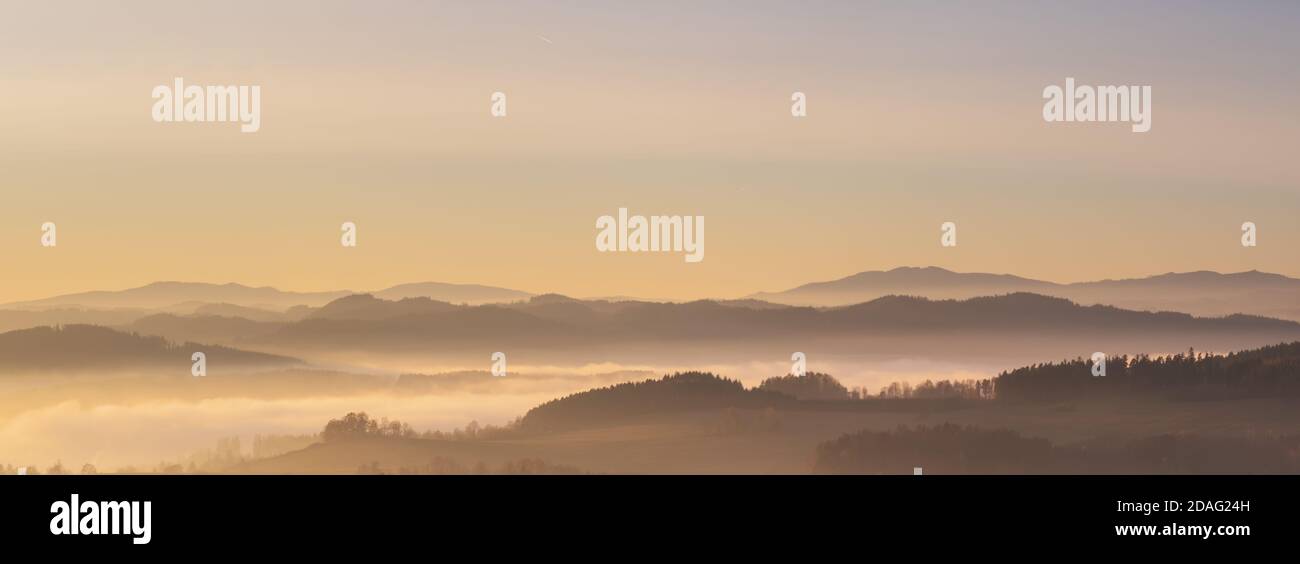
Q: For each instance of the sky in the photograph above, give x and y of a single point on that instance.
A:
(377, 113)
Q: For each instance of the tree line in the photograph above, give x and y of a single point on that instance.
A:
(1272, 371)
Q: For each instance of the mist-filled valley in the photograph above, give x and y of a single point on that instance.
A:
(450, 379)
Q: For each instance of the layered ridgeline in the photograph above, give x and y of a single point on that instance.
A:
(196, 299)
(1199, 293)
(87, 348)
(1013, 329)
(1202, 293)
(989, 331)
(1010, 329)
(997, 330)
(178, 294)
(353, 318)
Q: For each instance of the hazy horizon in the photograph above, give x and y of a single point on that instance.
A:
(613, 295)
(917, 114)
(789, 144)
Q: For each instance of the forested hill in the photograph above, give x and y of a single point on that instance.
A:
(1272, 371)
(677, 392)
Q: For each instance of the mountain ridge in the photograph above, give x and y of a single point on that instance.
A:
(171, 294)
(1202, 292)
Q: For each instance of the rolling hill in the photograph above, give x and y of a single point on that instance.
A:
(87, 348)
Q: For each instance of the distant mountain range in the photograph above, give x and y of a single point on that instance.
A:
(1218, 311)
(593, 330)
(185, 297)
(170, 294)
(1203, 293)
(1199, 293)
(930, 282)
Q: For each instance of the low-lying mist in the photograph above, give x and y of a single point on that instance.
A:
(145, 434)
(143, 421)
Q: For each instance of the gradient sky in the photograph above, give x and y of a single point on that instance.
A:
(377, 113)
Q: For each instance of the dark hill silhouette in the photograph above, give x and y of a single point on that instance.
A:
(810, 386)
(23, 319)
(92, 348)
(678, 392)
(1272, 371)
